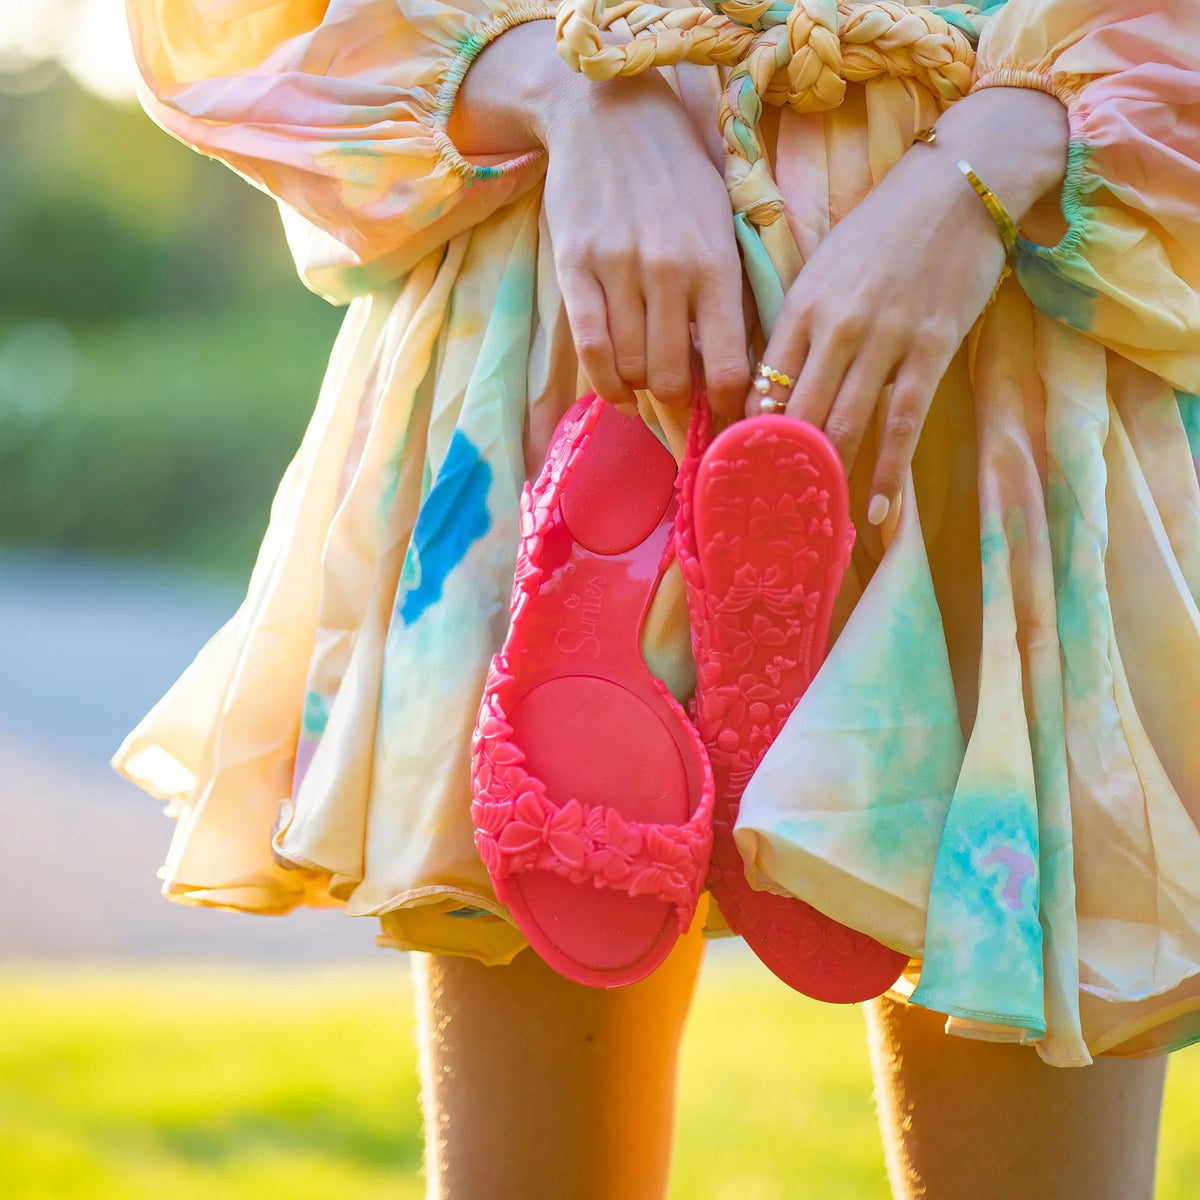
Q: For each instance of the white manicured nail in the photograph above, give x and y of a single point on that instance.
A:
(878, 510)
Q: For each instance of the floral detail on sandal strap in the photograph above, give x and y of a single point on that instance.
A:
(519, 828)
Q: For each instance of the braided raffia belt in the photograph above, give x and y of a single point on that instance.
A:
(800, 54)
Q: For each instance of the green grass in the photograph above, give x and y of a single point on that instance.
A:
(783, 1084)
(208, 1084)
(216, 1083)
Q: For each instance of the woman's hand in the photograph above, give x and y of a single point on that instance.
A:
(638, 215)
(894, 288)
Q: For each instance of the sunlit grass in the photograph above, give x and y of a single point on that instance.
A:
(208, 1084)
(216, 1083)
(775, 1096)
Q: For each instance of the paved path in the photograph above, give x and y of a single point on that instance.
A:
(86, 647)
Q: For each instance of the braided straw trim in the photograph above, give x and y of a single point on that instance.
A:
(813, 66)
(825, 42)
(888, 38)
(684, 34)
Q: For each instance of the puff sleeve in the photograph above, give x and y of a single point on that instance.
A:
(1127, 272)
(338, 108)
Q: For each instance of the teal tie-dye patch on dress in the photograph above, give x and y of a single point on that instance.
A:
(996, 769)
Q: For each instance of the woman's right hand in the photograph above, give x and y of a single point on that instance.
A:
(638, 216)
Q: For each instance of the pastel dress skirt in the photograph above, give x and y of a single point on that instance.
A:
(995, 771)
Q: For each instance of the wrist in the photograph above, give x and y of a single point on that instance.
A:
(577, 107)
(1016, 140)
(511, 92)
(520, 95)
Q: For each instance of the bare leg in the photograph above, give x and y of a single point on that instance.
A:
(992, 1122)
(535, 1087)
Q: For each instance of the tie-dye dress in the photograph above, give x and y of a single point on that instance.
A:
(995, 771)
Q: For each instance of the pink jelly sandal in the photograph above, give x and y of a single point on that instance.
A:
(764, 538)
(593, 795)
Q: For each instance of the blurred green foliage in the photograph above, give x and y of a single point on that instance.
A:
(173, 437)
(102, 215)
(159, 358)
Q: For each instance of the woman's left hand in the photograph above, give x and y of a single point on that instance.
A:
(892, 291)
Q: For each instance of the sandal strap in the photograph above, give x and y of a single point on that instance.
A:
(519, 828)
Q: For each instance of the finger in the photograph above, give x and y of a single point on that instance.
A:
(820, 380)
(857, 399)
(588, 318)
(627, 327)
(785, 352)
(916, 382)
(668, 343)
(767, 396)
(721, 332)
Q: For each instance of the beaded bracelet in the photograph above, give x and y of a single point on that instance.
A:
(1006, 226)
(1004, 223)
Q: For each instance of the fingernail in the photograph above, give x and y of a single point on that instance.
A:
(878, 509)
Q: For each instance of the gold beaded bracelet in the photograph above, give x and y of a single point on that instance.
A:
(1004, 223)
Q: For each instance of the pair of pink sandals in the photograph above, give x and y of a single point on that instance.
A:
(601, 810)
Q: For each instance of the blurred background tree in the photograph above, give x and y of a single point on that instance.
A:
(159, 358)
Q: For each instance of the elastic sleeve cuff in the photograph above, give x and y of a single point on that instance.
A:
(1071, 199)
(471, 48)
(1042, 81)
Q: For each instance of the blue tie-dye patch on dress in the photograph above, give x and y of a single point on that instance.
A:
(995, 771)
